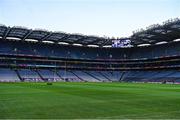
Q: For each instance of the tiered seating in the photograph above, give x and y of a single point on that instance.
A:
(51, 50)
(98, 76)
(29, 75)
(112, 75)
(68, 76)
(9, 47)
(6, 47)
(8, 75)
(175, 76)
(48, 75)
(85, 76)
(160, 76)
(152, 76)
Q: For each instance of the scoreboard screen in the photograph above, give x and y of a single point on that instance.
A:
(121, 43)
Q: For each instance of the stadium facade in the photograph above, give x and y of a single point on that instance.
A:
(40, 55)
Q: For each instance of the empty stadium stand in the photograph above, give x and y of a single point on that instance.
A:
(25, 56)
(8, 75)
(28, 75)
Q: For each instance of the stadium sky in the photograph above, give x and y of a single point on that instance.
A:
(112, 18)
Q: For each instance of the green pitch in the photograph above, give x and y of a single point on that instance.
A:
(89, 100)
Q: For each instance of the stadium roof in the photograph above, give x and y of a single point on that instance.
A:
(169, 31)
(155, 34)
(56, 37)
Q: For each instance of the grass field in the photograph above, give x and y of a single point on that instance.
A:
(89, 100)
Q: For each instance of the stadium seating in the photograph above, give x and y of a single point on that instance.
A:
(152, 76)
(88, 53)
(8, 75)
(48, 75)
(85, 76)
(112, 75)
(68, 76)
(133, 56)
(29, 75)
(99, 76)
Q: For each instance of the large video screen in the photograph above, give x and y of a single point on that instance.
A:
(121, 43)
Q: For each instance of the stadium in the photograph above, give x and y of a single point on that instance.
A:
(150, 55)
(57, 75)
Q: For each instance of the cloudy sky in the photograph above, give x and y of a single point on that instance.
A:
(112, 18)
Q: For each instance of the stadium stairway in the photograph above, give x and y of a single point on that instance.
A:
(49, 75)
(45, 80)
(58, 75)
(112, 75)
(78, 76)
(92, 76)
(68, 76)
(85, 76)
(99, 76)
(19, 76)
(104, 76)
(122, 76)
